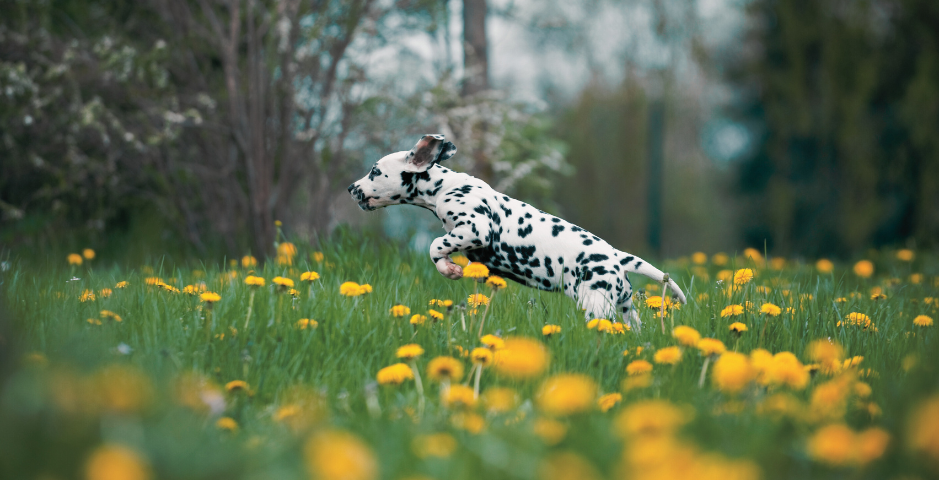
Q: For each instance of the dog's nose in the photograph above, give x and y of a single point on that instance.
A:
(351, 188)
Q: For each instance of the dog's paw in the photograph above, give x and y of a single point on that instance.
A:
(447, 268)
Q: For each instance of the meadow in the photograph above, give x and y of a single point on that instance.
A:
(357, 360)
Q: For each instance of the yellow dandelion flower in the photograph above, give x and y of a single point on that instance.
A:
(905, 255)
(317, 256)
(922, 428)
(74, 259)
(400, 311)
(111, 461)
(339, 455)
(601, 325)
(418, 319)
(608, 401)
(878, 296)
(493, 342)
(210, 297)
(833, 444)
(650, 418)
(732, 311)
(864, 269)
(305, 323)
(499, 399)
(496, 282)
(435, 314)
(638, 367)
(549, 330)
(720, 259)
(439, 445)
(287, 249)
(191, 290)
(460, 260)
(620, 329)
(88, 253)
(282, 282)
(828, 355)
(738, 327)
(782, 369)
(636, 382)
(481, 356)
(550, 430)
(459, 396)
(743, 276)
(409, 351)
(350, 289)
(857, 319)
(445, 368)
(711, 346)
(922, 321)
(253, 281)
(725, 275)
(93, 321)
(871, 444)
(732, 372)
(365, 288)
(237, 386)
(309, 276)
(668, 355)
(248, 261)
(566, 394)
(753, 254)
(686, 335)
(699, 258)
(824, 266)
(121, 285)
(394, 374)
(227, 423)
(770, 309)
(105, 292)
(477, 299)
(521, 358)
(471, 422)
(87, 296)
(475, 270)
(106, 314)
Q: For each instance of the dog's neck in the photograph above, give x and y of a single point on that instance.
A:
(430, 184)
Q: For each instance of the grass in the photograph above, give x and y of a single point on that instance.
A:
(151, 385)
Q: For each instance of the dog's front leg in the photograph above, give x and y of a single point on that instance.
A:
(459, 239)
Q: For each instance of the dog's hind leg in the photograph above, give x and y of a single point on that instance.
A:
(630, 315)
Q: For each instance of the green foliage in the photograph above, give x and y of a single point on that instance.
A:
(841, 96)
(79, 385)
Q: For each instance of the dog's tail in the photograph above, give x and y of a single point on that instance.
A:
(642, 267)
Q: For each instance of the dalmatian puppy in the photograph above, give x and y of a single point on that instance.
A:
(514, 239)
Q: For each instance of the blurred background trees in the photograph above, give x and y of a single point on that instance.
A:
(807, 126)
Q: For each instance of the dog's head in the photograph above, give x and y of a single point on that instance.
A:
(392, 179)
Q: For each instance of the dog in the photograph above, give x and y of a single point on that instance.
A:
(513, 239)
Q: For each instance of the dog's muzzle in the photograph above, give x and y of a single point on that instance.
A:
(359, 196)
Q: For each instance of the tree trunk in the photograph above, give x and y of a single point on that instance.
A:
(475, 49)
(476, 75)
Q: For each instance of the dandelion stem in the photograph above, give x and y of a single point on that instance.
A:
(762, 331)
(420, 388)
(664, 300)
(482, 323)
(250, 308)
(280, 303)
(207, 325)
(704, 371)
(479, 373)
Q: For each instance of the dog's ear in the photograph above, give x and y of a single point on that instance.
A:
(429, 150)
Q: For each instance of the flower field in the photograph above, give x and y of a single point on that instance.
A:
(357, 360)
